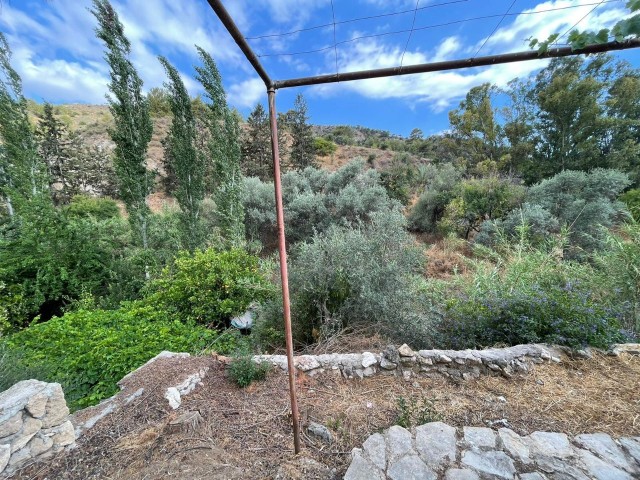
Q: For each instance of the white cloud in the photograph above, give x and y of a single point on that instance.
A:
(246, 93)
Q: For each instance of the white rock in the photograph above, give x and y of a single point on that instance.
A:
(436, 443)
(405, 351)
(36, 406)
(480, 437)
(375, 449)
(493, 464)
(173, 396)
(461, 474)
(368, 359)
(5, 454)
(599, 469)
(363, 469)
(515, 445)
(30, 427)
(632, 446)
(368, 372)
(387, 365)
(306, 363)
(603, 446)
(56, 410)
(550, 444)
(410, 467)
(11, 426)
(320, 431)
(39, 445)
(62, 435)
(399, 443)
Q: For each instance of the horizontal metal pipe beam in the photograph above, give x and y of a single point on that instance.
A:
(455, 64)
(233, 29)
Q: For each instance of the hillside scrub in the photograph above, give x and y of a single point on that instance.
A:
(314, 200)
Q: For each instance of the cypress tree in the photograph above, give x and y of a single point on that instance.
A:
(182, 157)
(23, 175)
(133, 127)
(256, 147)
(223, 149)
(302, 153)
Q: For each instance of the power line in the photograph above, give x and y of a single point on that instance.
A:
(335, 45)
(497, 26)
(352, 20)
(413, 24)
(446, 24)
(580, 21)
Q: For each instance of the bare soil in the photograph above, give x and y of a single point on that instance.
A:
(246, 433)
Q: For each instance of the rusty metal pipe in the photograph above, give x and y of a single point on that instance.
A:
(282, 249)
(234, 31)
(455, 64)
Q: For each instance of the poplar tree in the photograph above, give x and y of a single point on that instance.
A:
(223, 149)
(23, 175)
(133, 127)
(181, 156)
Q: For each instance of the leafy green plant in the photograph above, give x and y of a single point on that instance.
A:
(631, 199)
(416, 411)
(209, 287)
(324, 147)
(244, 371)
(88, 352)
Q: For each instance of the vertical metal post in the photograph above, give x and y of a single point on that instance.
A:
(283, 267)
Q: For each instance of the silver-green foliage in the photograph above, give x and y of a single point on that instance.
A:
(315, 199)
(185, 162)
(133, 127)
(223, 149)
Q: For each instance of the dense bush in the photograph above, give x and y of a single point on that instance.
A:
(528, 295)
(49, 258)
(632, 200)
(353, 277)
(584, 204)
(244, 371)
(323, 147)
(89, 351)
(313, 201)
(98, 208)
(440, 181)
(209, 287)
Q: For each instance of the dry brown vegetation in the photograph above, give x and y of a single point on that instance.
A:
(247, 433)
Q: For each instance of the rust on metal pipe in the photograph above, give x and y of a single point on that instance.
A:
(283, 267)
(456, 64)
(233, 29)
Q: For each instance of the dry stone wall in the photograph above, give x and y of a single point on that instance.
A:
(465, 364)
(34, 423)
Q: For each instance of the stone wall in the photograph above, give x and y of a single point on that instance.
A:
(437, 450)
(403, 361)
(34, 423)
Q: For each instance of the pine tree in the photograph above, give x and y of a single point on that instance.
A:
(256, 145)
(223, 149)
(182, 157)
(133, 126)
(302, 153)
(23, 175)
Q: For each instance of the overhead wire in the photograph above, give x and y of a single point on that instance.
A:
(413, 24)
(352, 20)
(335, 44)
(427, 27)
(581, 20)
(496, 28)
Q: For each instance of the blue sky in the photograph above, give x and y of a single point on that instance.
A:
(61, 61)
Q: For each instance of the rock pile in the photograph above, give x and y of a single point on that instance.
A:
(437, 450)
(465, 364)
(34, 423)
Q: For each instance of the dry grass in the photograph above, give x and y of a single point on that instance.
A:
(247, 433)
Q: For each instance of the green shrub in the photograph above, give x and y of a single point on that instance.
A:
(88, 352)
(209, 287)
(353, 277)
(438, 192)
(314, 200)
(244, 371)
(414, 412)
(631, 199)
(99, 208)
(531, 295)
(323, 147)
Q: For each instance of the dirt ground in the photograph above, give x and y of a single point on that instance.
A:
(235, 433)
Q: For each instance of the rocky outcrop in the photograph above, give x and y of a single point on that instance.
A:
(464, 364)
(34, 423)
(437, 450)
